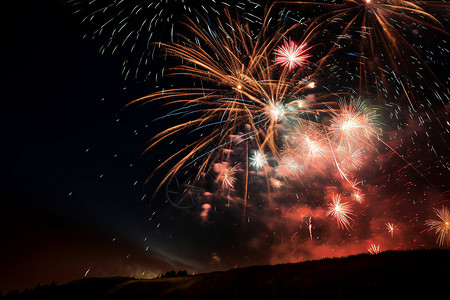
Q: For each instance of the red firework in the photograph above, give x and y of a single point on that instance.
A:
(291, 55)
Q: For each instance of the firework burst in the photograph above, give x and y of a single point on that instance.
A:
(441, 226)
(227, 177)
(353, 123)
(351, 158)
(358, 196)
(374, 249)
(292, 55)
(390, 227)
(258, 160)
(341, 211)
(307, 141)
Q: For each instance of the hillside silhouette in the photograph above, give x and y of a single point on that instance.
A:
(388, 275)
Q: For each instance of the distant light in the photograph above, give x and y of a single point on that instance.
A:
(312, 85)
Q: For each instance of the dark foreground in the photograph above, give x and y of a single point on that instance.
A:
(388, 275)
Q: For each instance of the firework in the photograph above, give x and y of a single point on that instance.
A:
(242, 95)
(314, 147)
(307, 142)
(288, 166)
(271, 120)
(441, 226)
(353, 123)
(258, 160)
(292, 55)
(341, 211)
(310, 229)
(343, 143)
(227, 177)
(374, 249)
(277, 184)
(351, 158)
(390, 228)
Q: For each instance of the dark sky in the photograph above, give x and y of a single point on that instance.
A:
(68, 200)
(73, 200)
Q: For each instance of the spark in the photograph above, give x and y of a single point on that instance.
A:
(276, 183)
(314, 147)
(288, 166)
(301, 104)
(308, 139)
(134, 28)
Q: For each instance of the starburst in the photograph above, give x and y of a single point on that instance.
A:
(227, 177)
(358, 196)
(441, 226)
(258, 160)
(291, 55)
(341, 211)
(353, 124)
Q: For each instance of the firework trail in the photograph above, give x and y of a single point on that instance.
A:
(136, 27)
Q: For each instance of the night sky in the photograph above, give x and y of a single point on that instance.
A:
(68, 199)
(74, 201)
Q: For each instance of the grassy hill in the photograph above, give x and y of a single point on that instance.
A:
(388, 275)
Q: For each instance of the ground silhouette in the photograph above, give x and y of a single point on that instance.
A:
(388, 275)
